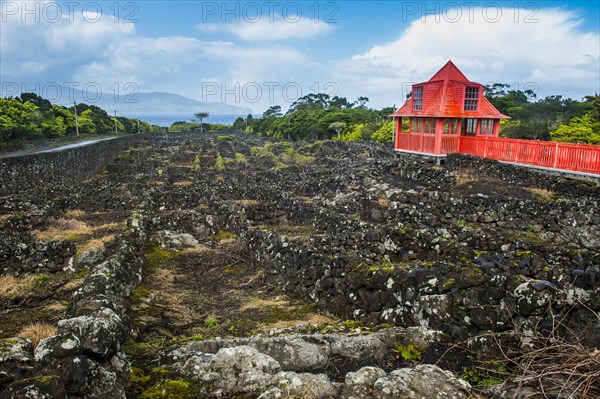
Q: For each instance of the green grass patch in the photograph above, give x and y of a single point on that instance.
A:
(224, 235)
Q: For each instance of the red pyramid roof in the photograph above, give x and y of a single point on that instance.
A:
(449, 72)
(444, 96)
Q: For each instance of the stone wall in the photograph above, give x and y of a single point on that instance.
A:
(60, 167)
(86, 357)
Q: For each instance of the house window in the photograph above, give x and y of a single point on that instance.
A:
(416, 125)
(471, 98)
(429, 125)
(469, 126)
(450, 126)
(418, 98)
(487, 127)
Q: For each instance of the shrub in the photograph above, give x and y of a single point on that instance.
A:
(240, 158)
(219, 163)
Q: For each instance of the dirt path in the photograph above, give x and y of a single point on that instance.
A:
(207, 291)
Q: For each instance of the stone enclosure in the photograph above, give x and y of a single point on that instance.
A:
(350, 271)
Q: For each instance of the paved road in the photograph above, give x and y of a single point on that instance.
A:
(52, 149)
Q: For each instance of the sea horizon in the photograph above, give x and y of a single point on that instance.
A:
(167, 120)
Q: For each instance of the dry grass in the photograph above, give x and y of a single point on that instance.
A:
(11, 286)
(384, 202)
(198, 249)
(37, 332)
(96, 243)
(55, 307)
(558, 368)
(63, 229)
(183, 183)
(72, 285)
(164, 276)
(278, 301)
(541, 193)
(113, 226)
(306, 200)
(312, 320)
(246, 202)
(189, 165)
(464, 177)
(553, 365)
(74, 214)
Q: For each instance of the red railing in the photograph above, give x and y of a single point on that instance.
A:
(449, 144)
(567, 156)
(577, 157)
(417, 142)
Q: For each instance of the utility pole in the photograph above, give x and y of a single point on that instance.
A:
(116, 128)
(76, 122)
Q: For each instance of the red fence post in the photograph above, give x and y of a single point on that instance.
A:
(555, 156)
(485, 147)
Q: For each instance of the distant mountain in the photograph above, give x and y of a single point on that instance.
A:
(150, 103)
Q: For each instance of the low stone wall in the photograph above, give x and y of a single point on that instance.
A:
(86, 358)
(60, 167)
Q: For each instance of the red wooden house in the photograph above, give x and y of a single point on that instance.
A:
(440, 110)
(449, 113)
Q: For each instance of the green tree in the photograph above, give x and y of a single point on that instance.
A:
(584, 130)
(338, 127)
(68, 118)
(19, 121)
(385, 133)
(103, 123)
(275, 110)
(43, 104)
(362, 102)
(200, 116)
(357, 133)
(239, 124)
(86, 124)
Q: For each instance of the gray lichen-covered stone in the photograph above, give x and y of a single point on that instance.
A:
(171, 240)
(16, 350)
(83, 376)
(301, 385)
(243, 370)
(530, 301)
(57, 347)
(100, 332)
(421, 382)
(91, 257)
(361, 347)
(47, 387)
(359, 384)
(295, 352)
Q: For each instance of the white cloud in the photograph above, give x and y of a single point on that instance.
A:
(275, 30)
(37, 42)
(552, 54)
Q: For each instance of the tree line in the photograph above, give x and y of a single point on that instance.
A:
(31, 117)
(314, 116)
(551, 118)
(319, 116)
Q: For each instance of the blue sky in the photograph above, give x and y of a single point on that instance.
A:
(257, 54)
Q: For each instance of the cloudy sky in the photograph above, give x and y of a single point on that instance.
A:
(257, 54)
